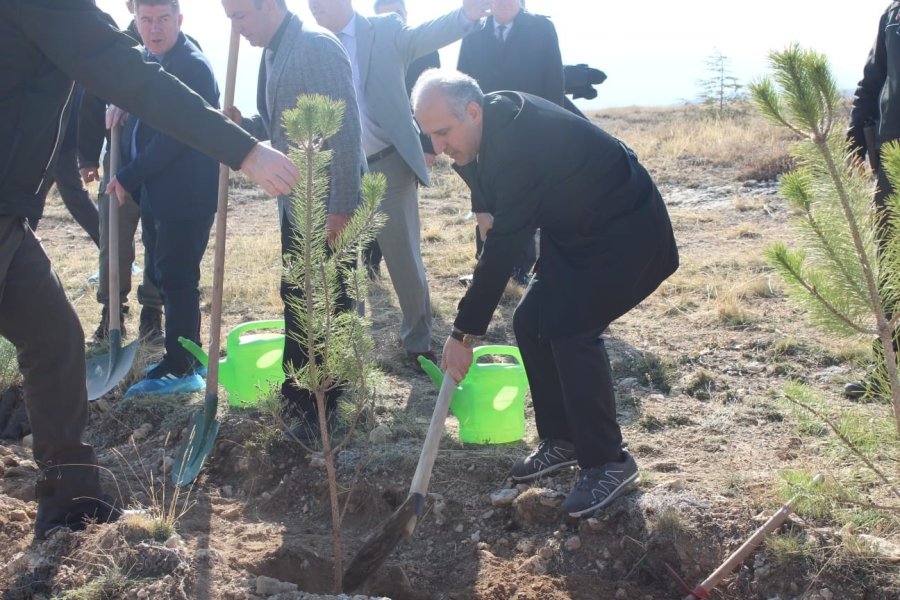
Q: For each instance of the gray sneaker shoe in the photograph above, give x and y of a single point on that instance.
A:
(549, 456)
(598, 486)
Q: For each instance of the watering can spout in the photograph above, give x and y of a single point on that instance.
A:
(195, 350)
(432, 371)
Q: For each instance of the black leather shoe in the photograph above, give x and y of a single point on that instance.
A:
(74, 516)
(855, 390)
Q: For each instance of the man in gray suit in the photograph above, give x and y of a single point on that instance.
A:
(381, 48)
(300, 58)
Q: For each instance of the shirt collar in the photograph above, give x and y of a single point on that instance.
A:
(349, 29)
(279, 33)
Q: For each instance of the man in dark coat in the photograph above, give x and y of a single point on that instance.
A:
(514, 50)
(177, 186)
(53, 43)
(875, 121)
(606, 244)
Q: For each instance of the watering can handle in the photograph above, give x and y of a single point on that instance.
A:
(195, 350)
(498, 351)
(234, 336)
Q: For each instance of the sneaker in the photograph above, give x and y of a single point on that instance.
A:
(150, 329)
(598, 486)
(161, 381)
(101, 334)
(549, 456)
(75, 516)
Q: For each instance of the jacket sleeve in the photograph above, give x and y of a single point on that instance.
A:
(254, 126)
(413, 42)
(91, 130)
(865, 110)
(161, 150)
(326, 68)
(516, 200)
(552, 76)
(86, 45)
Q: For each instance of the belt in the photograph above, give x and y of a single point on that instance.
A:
(373, 158)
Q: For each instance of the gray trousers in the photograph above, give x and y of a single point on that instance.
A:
(129, 216)
(36, 317)
(400, 242)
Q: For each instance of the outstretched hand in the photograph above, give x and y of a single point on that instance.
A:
(476, 9)
(271, 169)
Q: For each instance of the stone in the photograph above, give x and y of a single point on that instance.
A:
(380, 435)
(17, 516)
(621, 594)
(504, 497)
(573, 543)
(535, 565)
(231, 514)
(269, 586)
(142, 432)
(538, 506)
(28, 441)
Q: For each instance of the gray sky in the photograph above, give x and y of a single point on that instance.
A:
(652, 52)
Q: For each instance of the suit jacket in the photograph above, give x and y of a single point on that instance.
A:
(606, 238)
(178, 182)
(385, 47)
(310, 60)
(528, 61)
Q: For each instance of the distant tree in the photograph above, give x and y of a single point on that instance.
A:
(721, 89)
(840, 275)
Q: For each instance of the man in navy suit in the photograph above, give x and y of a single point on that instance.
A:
(178, 188)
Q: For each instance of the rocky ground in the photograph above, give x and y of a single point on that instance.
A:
(700, 370)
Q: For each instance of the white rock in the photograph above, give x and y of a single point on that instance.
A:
(525, 546)
(317, 460)
(573, 543)
(227, 491)
(269, 586)
(20, 563)
(380, 435)
(504, 497)
(621, 594)
(28, 441)
(174, 541)
(826, 594)
(475, 537)
(142, 432)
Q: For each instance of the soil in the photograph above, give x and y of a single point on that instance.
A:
(698, 402)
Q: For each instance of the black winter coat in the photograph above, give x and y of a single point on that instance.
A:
(44, 45)
(606, 239)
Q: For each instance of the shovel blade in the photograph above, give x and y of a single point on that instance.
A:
(196, 448)
(382, 542)
(106, 371)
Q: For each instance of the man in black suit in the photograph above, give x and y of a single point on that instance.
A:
(606, 244)
(513, 50)
(178, 198)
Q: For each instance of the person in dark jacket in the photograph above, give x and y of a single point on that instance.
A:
(875, 121)
(514, 50)
(606, 244)
(53, 43)
(177, 186)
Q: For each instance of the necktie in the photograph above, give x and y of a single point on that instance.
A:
(501, 32)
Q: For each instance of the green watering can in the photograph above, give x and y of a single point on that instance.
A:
(253, 361)
(490, 400)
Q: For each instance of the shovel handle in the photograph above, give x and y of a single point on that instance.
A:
(433, 438)
(112, 237)
(215, 319)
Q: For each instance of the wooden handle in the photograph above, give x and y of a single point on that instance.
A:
(433, 438)
(215, 320)
(112, 237)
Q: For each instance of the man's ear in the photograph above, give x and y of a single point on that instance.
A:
(474, 111)
(180, 20)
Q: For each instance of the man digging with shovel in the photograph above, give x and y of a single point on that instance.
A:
(606, 243)
(53, 43)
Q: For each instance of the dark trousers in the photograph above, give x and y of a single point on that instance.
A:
(571, 386)
(174, 250)
(299, 402)
(76, 199)
(36, 317)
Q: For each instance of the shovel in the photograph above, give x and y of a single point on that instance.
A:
(105, 371)
(204, 427)
(401, 524)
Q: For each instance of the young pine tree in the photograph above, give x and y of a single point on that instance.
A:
(839, 274)
(340, 340)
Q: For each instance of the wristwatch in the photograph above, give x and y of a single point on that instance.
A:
(467, 339)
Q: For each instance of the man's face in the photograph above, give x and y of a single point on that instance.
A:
(392, 7)
(505, 11)
(159, 26)
(457, 137)
(333, 15)
(256, 24)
